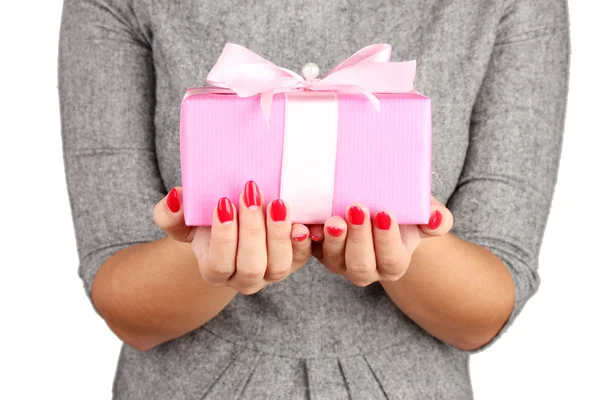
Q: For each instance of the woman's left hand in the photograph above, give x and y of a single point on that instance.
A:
(367, 249)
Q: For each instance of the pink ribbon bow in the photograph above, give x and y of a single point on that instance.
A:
(367, 71)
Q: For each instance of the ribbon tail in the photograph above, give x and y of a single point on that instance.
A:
(374, 100)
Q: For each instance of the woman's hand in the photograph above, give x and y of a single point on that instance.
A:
(367, 251)
(244, 249)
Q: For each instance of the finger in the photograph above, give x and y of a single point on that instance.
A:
(316, 232)
(301, 246)
(389, 252)
(251, 262)
(300, 233)
(168, 215)
(360, 254)
(441, 221)
(279, 241)
(334, 244)
(411, 237)
(220, 265)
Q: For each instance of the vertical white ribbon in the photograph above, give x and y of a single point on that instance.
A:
(309, 152)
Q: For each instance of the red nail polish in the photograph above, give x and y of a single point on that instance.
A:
(356, 215)
(251, 194)
(301, 238)
(225, 210)
(173, 201)
(435, 220)
(278, 211)
(383, 221)
(315, 238)
(334, 231)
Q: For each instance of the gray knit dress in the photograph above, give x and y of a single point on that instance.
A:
(496, 71)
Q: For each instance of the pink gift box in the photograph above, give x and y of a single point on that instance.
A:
(383, 158)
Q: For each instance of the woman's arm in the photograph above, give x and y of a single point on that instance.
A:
(459, 292)
(147, 287)
(458, 287)
(153, 292)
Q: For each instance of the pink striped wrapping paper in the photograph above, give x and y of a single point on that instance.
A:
(383, 157)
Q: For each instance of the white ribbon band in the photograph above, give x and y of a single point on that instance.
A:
(309, 153)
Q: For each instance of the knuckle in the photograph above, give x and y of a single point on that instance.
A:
(252, 260)
(361, 267)
(390, 264)
(278, 274)
(250, 270)
(300, 253)
(221, 270)
(223, 240)
(279, 238)
(357, 239)
(252, 231)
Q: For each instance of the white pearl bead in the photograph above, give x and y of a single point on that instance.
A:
(310, 71)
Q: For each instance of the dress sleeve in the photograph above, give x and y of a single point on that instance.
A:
(505, 191)
(106, 90)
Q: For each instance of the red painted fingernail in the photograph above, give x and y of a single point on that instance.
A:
(334, 231)
(315, 238)
(278, 211)
(225, 210)
(301, 238)
(356, 215)
(435, 220)
(383, 221)
(251, 195)
(173, 201)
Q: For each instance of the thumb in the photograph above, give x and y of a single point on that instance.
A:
(168, 215)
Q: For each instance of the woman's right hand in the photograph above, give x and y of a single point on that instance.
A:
(245, 249)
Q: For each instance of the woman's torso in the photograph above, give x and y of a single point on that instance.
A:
(314, 335)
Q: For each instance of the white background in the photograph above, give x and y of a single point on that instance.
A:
(53, 345)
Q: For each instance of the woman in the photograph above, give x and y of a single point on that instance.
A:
(380, 313)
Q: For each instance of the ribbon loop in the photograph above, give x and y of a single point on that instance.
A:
(368, 71)
(375, 53)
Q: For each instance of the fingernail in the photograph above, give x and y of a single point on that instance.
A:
(315, 238)
(301, 238)
(173, 201)
(356, 215)
(278, 211)
(225, 210)
(334, 231)
(383, 221)
(252, 195)
(435, 220)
